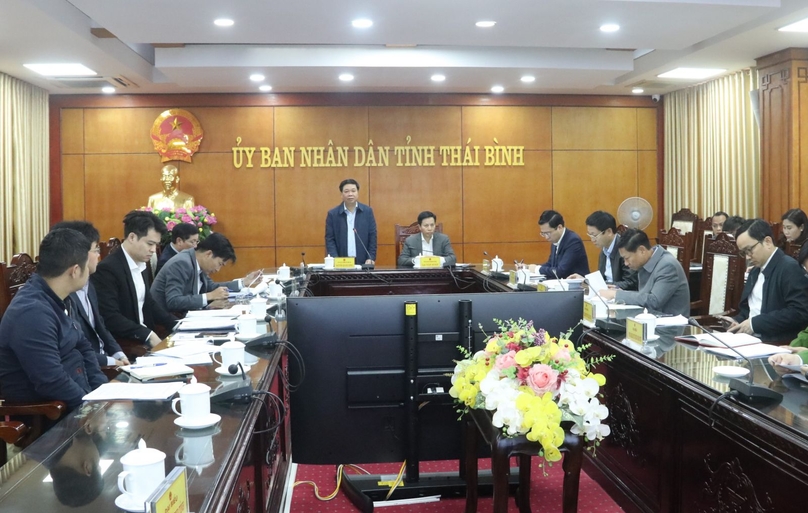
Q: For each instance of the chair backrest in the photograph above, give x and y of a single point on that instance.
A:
(722, 275)
(108, 247)
(15, 275)
(404, 231)
(621, 229)
(684, 220)
(705, 232)
(679, 245)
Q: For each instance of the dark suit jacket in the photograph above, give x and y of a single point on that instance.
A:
(569, 258)
(784, 311)
(622, 276)
(165, 256)
(117, 300)
(176, 288)
(336, 232)
(440, 247)
(99, 332)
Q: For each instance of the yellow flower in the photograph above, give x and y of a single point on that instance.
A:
(600, 378)
(566, 344)
(492, 346)
(552, 454)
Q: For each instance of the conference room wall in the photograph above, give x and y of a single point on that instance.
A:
(578, 158)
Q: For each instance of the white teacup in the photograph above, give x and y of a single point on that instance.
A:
(258, 307)
(143, 471)
(194, 401)
(650, 323)
(195, 451)
(231, 353)
(329, 262)
(247, 323)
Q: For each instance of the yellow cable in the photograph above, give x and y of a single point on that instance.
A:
(340, 471)
(398, 481)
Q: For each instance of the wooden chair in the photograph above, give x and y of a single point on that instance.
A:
(621, 229)
(108, 247)
(722, 278)
(679, 245)
(35, 416)
(705, 231)
(11, 432)
(15, 275)
(402, 232)
(685, 221)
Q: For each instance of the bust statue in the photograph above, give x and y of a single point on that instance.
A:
(170, 197)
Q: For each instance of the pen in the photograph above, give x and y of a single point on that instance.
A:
(146, 366)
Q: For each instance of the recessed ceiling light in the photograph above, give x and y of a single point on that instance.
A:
(692, 73)
(497, 89)
(61, 70)
(346, 77)
(438, 78)
(800, 26)
(609, 27)
(638, 90)
(122, 424)
(108, 89)
(223, 22)
(362, 23)
(486, 24)
(265, 88)
(527, 79)
(257, 77)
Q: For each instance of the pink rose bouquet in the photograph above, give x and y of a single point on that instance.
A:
(198, 216)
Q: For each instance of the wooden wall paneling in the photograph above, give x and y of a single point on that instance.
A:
(433, 126)
(530, 127)
(503, 205)
(72, 131)
(247, 260)
(119, 130)
(291, 255)
(775, 106)
(647, 129)
(315, 126)
(594, 128)
(648, 185)
(799, 192)
(303, 198)
(116, 184)
(73, 187)
(386, 255)
(222, 125)
(242, 199)
(531, 252)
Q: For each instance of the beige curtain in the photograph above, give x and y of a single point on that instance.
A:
(712, 148)
(24, 195)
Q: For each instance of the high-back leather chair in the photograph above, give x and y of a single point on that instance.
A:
(402, 232)
(108, 247)
(722, 278)
(679, 245)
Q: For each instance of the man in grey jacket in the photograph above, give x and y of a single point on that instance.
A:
(427, 243)
(662, 286)
(184, 283)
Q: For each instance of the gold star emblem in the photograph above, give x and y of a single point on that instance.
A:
(176, 124)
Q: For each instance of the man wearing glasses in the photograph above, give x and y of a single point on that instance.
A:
(774, 303)
(602, 230)
(183, 236)
(567, 253)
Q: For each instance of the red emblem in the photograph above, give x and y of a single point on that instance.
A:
(176, 135)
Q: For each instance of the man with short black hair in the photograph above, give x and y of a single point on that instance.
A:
(774, 302)
(350, 228)
(183, 236)
(122, 281)
(567, 253)
(44, 355)
(602, 230)
(84, 303)
(427, 243)
(185, 284)
(732, 224)
(719, 218)
(661, 281)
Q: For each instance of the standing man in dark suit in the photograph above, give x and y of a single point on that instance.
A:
(567, 253)
(185, 284)
(84, 303)
(774, 303)
(427, 243)
(350, 228)
(122, 282)
(183, 236)
(602, 230)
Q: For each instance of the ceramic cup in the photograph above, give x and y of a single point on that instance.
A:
(284, 273)
(247, 323)
(230, 352)
(329, 262)
(258, 307)
(194, 401)
(195, 451)
(143, 471)
(650, 322)
(497, 264)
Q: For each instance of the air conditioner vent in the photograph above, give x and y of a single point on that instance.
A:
(119, 82)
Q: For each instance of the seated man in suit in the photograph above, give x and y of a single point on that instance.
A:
(183, 236)
(427, 243)
(662, 285)
(350, 228)
(44, 356)
(567, 253)
(184, 283)
(732, 224)
(122, 281)
(84, 303)
(602, 230)
(774, 302)
(719, 218)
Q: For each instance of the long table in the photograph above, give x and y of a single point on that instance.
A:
(673, 448)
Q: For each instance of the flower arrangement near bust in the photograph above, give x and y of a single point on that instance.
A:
(197, 215)
(532, 383)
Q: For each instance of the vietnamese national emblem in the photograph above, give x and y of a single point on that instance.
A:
(176, 134)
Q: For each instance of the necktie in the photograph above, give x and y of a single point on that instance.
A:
(201, 283)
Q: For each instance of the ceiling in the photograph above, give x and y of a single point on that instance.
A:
(157, 46)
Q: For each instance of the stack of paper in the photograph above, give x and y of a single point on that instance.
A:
(750, 351)
(728, 339)
(149, 368)
(233, 311)
(207, 324)
(134, 391)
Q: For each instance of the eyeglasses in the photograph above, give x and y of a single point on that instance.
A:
(594, 237)
(96, 250)
(546, 235)
(748, 251)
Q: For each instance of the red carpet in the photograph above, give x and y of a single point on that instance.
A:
(545, 493)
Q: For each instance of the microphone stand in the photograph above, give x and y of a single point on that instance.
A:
(560, 281)
(364, 266)
(592, 290)
(747, 391)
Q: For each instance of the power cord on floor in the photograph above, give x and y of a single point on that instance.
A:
(340, 471)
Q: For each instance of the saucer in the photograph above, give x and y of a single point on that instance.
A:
(651, 338)
(224, 372)
(730, 372)
(208, 431)
(125, 502)
(246, 337)
(202, 423)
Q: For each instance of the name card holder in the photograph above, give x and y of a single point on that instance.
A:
(589, 312)
(430, 262)
(512, 278)
(541, 287)
(172, 494)
(636, 331)
(344, 263)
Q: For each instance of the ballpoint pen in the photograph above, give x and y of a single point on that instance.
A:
(146, 366)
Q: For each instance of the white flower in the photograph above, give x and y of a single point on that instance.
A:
(508, 416)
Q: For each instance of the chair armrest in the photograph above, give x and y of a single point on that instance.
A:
(12, 431)
(110, 371)
(132, 348)
(50, 409)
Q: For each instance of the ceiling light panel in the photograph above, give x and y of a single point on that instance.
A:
(61, 70)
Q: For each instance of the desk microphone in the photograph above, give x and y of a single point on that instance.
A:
(237, 391)
(560, 281)
(747, 391)
(592, 290)
(364, 266)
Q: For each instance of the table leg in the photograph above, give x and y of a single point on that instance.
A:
(523, 495)
(471, 435)
(500, 463)
(573, 460)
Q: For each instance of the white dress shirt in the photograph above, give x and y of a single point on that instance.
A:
(137, 268)
(756, 296)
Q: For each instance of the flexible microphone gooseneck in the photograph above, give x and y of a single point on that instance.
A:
(747, 391)
(364, 266)
(560, 281)
(235, 391)
(592, 290)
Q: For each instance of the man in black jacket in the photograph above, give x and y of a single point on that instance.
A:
(183, 236)
(602, 230)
